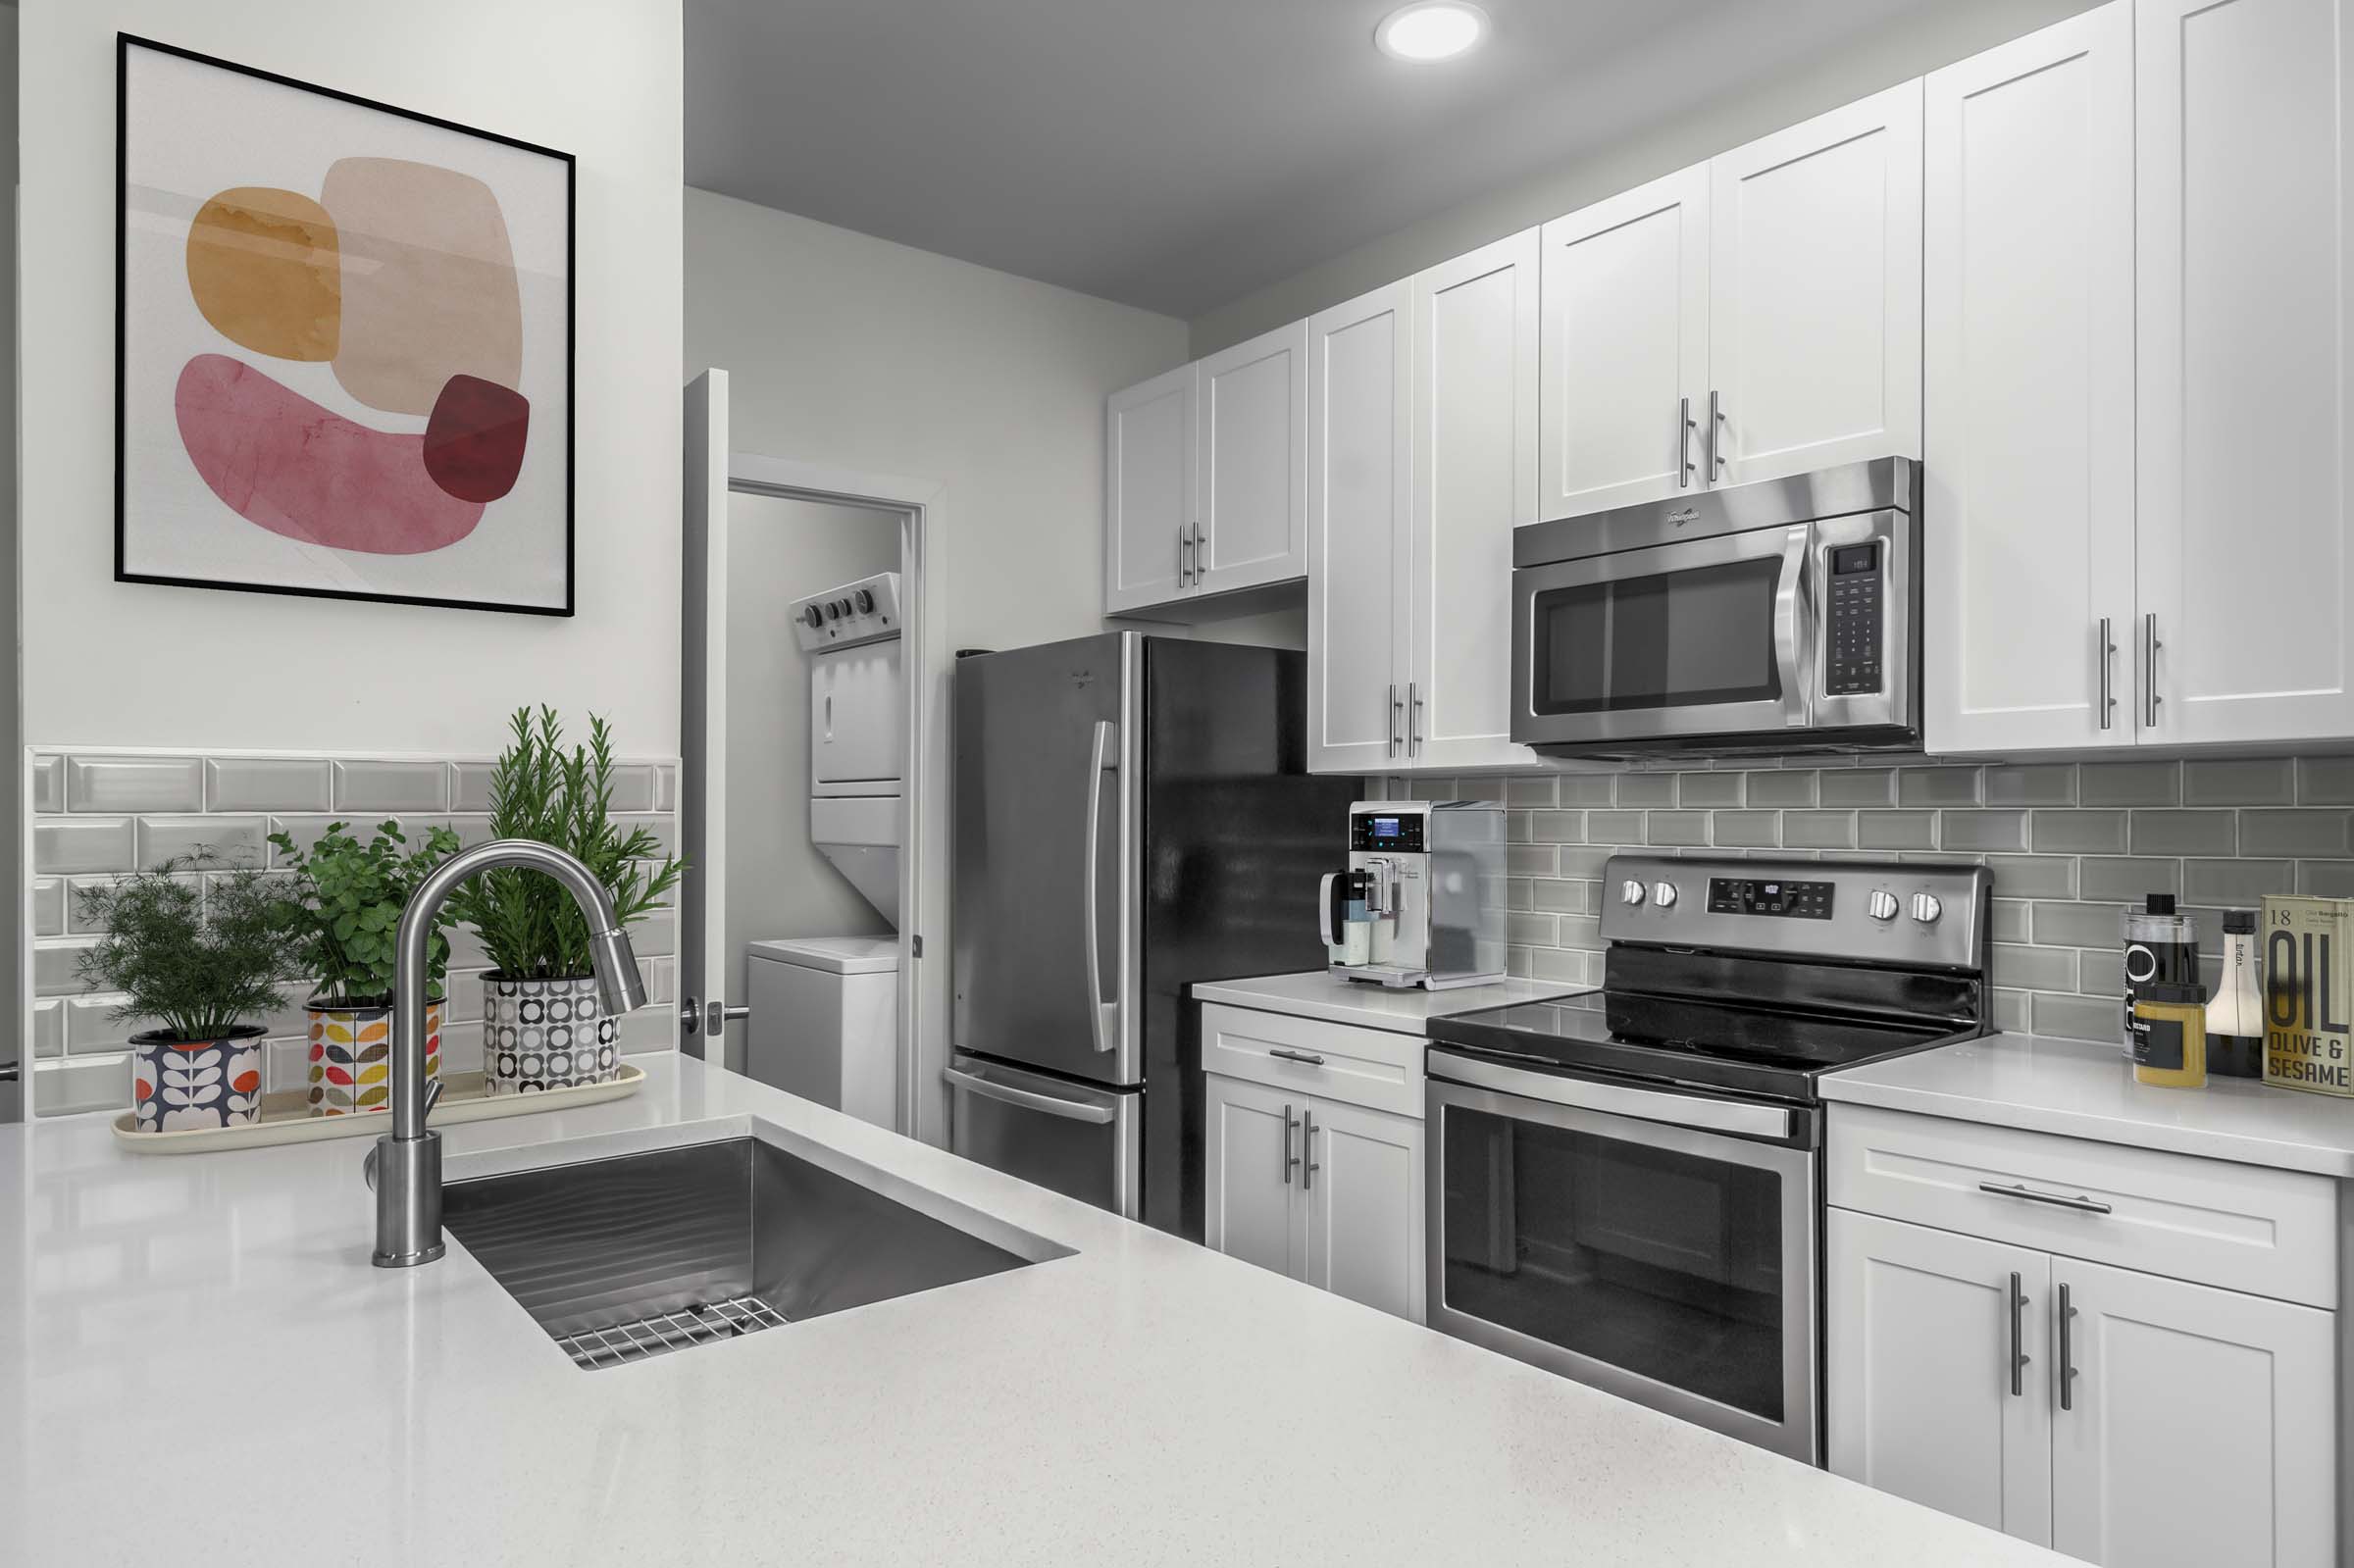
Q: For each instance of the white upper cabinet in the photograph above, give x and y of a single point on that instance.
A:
(1475, 468)
(2028, 346)
(1358, 461)
(1148, 491)
(1814, 292)
(1625, 347)
(2246, 284)
(1251, 485)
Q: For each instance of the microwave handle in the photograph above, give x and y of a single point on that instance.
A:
(1793, 627)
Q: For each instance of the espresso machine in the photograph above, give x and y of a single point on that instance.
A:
(1422, 901)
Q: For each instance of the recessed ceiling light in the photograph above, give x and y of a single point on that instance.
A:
(1431, 29)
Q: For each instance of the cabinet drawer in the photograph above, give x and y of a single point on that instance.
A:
(2241, 1227)
(1379, 1069)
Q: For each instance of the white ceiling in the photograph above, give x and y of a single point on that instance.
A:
(1178, 154)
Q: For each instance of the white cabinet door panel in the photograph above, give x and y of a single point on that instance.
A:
(1360, 1185)
(1918, 1374)
(1358, 458)
(1475, 322)
(2200, 1426)
(1251, 1173)
(1147, 489)
(1252, 461)
(1625, 347)
(2028, 384)
(1814, 291)
(2246, 285)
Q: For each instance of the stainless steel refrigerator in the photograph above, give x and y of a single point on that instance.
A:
(1133, 814)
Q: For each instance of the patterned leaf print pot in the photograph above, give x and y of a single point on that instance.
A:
(179, 1084)
(546, 1033)
(351, 1057)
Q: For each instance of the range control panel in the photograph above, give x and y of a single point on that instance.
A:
(864, 611)
(1853, 665)
(1872, 911)
(1752, 895)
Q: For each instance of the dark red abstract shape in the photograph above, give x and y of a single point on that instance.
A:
(475, 438)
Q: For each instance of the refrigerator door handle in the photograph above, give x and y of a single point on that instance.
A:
(1103, 759)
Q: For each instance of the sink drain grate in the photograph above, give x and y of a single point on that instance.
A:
(640, 1338)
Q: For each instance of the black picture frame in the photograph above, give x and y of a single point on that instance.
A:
(124, 43)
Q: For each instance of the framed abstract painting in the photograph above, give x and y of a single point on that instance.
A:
(343, 344)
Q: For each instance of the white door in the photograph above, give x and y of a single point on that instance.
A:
(1923, 1393)
(703, 957)
(1814, 292)
(1359, 459)
(1361, 1187)
(1625, 348)
(2199, 1428)
(1250, 463)
(1148, 492)
(2027, 345)
(1251, 1173)
(1475, 322)
(2246, 284)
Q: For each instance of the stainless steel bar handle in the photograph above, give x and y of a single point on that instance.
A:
(1290, 1056)
(1185, 543)
(1393, 715)
(2149, 671)
(2082, 1203)
(1101, 759)
(1027, 1099)
(1413, 720)
(2018, 1356)
(1289, 1158)
(1792, 615)
(2068, 1353)
(1683, 444)
(2104, 652)
(1307, 1148)
(1717, 424)
(1200, 565)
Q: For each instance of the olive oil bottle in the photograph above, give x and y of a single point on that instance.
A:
(2308, 994)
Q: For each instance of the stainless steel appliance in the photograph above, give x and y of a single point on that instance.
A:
(1779, 616)
(1625, 1186)
(1133, 814)
(1422, 902)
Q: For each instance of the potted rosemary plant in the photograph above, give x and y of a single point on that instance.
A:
(203, 962)
(345, 902)
(542, 1026)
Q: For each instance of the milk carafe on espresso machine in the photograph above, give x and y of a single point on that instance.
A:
(1422, 902)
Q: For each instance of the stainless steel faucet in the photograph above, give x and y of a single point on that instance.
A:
(407, 1163)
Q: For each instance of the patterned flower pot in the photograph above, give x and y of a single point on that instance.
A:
(178, 1084)
(546, 1033)
(351, 1055)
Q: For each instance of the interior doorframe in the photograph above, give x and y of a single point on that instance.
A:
(924, 1000)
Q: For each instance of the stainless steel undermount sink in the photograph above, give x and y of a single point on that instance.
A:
(634, 1254)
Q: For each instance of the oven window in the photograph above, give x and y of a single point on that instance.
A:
(1677, 640)
(1664, 1264)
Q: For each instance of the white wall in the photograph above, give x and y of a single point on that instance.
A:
(778, 883)
(127, 663)
(1913, 45)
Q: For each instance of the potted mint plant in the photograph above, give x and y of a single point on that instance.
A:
(542, 1026)
(203, 962)
(346, 900)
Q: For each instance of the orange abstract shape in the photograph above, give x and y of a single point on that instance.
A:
(428, 283)
(266, 270)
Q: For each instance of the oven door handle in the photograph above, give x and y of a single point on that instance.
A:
(1614, 1099)
(1793, 626)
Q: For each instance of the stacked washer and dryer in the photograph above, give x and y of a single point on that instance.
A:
(825, 1020)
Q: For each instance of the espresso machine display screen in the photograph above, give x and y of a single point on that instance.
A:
(1399, 835)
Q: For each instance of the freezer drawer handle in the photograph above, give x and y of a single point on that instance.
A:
(2088, 1206)
(1027, 1099)
(1290, 1056)
(1104, 1016)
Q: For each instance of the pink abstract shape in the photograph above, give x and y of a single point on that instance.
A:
(281, 462)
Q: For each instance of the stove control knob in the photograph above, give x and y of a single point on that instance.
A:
(1927, 908)
(1663, 893)
(1883, 906)
(1630, 891)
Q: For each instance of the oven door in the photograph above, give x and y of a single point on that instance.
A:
(1651, 1258)
(1711, 636)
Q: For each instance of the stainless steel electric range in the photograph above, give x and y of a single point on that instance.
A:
(1625, 1186)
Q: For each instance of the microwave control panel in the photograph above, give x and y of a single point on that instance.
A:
(1744, 895)
(1854, 664)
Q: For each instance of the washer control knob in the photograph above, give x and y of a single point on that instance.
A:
(1630, 891)
(1927, 908)
(812, 617)
(833, 609)
(866, 602)
(1883, 906)
(1663, 893)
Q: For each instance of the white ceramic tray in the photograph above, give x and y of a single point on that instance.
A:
(287, 1116)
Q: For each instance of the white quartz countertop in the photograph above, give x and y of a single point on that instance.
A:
(2087, 1091)
(1320, 993)
(198, 1366)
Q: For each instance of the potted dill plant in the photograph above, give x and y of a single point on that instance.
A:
(346, 900)
(202, 957)
(543, 1025)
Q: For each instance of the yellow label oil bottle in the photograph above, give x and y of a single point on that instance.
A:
(2170, 1037)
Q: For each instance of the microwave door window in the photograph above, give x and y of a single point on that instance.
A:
(1677, 640)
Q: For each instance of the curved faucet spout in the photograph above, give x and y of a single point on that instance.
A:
(408, 1175)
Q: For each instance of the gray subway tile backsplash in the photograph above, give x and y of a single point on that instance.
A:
(2236, 781)
(1709, 790)
(2129, 784)
(63, 845)
(2185, 832)
(2078, 832)
(1937, 787)
(1789, 787)
(1858, 787)
(2051, 784)
(2318, 832)
(1646, 789)
(267, 783)
(1896, 829)
(371, 786)
(1982, 829)
(2325, 780)
(135, 783)
(236, 840)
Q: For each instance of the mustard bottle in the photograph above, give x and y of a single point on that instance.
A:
(2170, 1039)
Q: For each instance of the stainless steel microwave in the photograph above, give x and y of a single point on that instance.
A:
(1780, 616)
